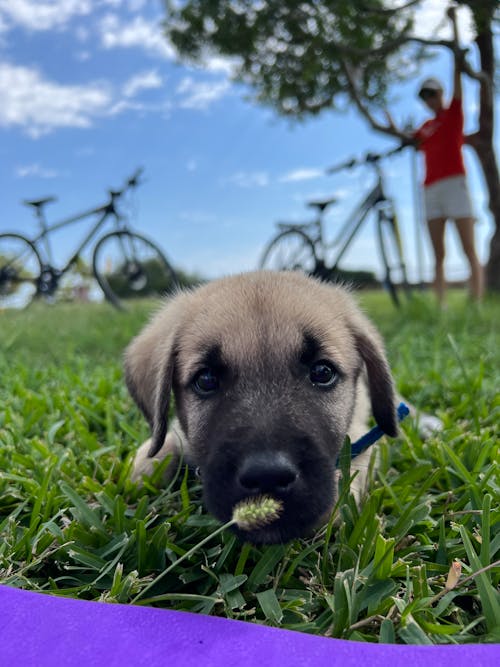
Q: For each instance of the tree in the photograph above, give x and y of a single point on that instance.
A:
(302, 57)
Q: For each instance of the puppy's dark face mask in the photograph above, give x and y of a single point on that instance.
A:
(270, 422)
(265, 378)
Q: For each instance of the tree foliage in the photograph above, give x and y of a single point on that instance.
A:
(295, 54)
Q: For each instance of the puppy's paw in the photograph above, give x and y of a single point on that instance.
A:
(144, 465)
(428, 425)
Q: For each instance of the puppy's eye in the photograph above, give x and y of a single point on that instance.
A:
(205, 382)
(322, 374)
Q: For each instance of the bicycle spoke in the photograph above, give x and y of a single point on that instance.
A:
(291, 250)
(127, 266)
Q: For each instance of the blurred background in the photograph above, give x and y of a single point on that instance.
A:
(92, 89)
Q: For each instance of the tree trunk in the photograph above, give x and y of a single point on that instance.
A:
(483, 144)
(486, 156)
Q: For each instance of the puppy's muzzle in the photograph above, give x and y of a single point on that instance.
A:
(267, 473)
(301, 477)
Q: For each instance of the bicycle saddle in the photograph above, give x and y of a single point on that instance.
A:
(39, 202)
(323, 204)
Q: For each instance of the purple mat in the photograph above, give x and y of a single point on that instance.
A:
(43, 630)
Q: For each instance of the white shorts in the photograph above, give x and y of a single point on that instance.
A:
(448, 198)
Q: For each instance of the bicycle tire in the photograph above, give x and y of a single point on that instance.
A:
(122, 274)
(20, 271)
(290, 262)
(390, 246)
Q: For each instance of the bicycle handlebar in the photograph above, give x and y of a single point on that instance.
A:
(135, 180)
(369, 158)
(132, 182)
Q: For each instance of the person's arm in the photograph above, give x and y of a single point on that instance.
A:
(407, 137)
(457, 74)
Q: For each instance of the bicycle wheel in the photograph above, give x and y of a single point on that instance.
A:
(391, 253)
(291, 250)
(20, 269)
(127, 265)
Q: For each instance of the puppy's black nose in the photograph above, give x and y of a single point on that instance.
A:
(267, 472)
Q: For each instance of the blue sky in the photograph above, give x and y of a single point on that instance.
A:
(91, 90)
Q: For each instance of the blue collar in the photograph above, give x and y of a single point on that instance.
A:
(375, 434)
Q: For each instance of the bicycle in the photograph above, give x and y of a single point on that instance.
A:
(303, 246)
(124, 263)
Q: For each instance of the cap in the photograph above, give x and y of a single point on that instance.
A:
(430, 84)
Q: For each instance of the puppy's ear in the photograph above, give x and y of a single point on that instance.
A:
(380, 383)
(149, 369)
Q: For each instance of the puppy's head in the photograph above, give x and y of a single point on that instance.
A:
(265, 369)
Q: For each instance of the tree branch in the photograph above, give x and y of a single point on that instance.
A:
(447, 43)
(389, 128)
(383, 50)
(394, 44)
(466, 68)
(385, 11)
(472, 140)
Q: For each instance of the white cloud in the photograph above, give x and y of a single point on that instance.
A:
(82, 34)
(244, 179)
(39, 105)
(220, 64)
(132, 5)
(432, 22)
(136, 5)
(37, 170)
(83, 56)
(148, 35)
(39, 15)
(200, 94)
(138, 33)
(304, 174)
(121, 106)
(142, 81)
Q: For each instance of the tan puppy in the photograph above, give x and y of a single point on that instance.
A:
(270, 372)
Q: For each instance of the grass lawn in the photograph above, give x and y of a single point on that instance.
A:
(71, 523)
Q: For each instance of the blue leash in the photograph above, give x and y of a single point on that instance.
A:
(375, 434)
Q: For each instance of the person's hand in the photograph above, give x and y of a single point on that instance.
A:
(390, 121)
(451, 12)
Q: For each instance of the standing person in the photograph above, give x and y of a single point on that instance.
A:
(445, 188)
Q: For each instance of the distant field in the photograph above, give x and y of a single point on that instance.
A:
(72, 524)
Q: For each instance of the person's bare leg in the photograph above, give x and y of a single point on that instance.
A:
(465, 227)
(436, 233)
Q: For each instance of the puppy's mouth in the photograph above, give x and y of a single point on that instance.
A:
(292, 523)
(301, 510)
(266, 535)
(278, 532)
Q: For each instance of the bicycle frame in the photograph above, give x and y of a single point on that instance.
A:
(303, 246)
(372, 200)
(350, 227)
(106, 210)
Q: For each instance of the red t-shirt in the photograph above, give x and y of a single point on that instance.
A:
(441, 139)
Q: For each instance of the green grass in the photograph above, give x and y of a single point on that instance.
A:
(72, 524)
